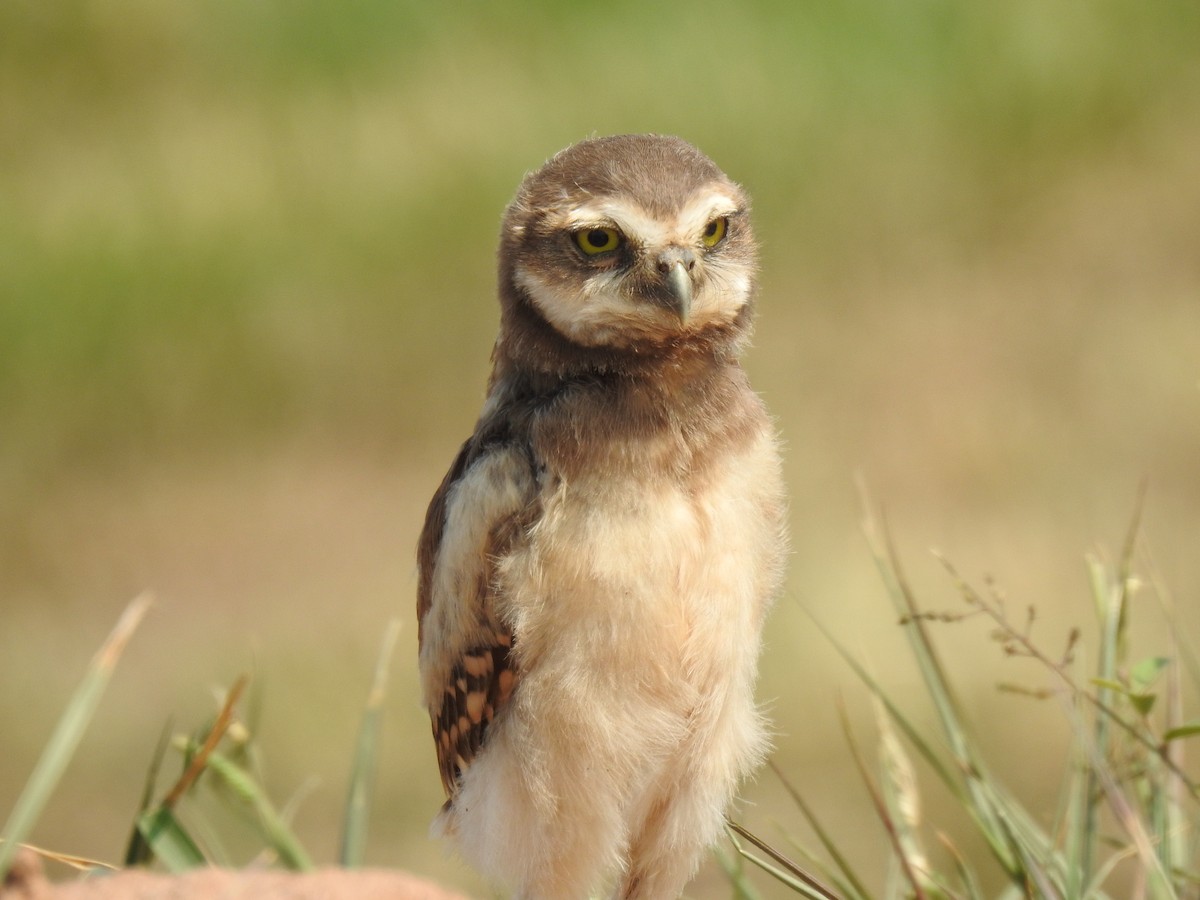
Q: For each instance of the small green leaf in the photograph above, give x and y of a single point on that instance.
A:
(1183, 731)
(1143, 703)
(1145, 673)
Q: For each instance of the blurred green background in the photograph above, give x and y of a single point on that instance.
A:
(246, 305)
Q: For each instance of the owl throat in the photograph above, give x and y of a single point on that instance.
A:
(531, 346)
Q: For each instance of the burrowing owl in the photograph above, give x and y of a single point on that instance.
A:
(597, 563)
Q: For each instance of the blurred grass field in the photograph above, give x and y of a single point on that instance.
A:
(246, 304)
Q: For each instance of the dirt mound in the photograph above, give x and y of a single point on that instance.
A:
(27, 881)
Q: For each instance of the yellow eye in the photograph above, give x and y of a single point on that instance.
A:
(598, 240)
(714, 232)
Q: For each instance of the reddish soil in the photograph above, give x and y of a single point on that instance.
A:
(27, 881)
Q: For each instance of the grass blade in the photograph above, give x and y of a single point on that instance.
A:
(78, 863)
(1076, 836)
(169, 841)
(362, 777)
(822, 870)
(783, 869)
(911, 732)
(137, 851)
(858, 889)
(273, 826)
(198, 756)
(997, 835)
(69, 731)
(898, 786)
(159, 828)
(945, 704)
(881, 808)
(1112, 605)
(735, 870)
(1018, 844)
(965, 873)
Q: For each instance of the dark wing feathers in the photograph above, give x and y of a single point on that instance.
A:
(483, 677)
(480, 683)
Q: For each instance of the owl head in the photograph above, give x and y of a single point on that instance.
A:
(631, 244)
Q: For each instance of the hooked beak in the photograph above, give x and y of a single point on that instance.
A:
(675, 265)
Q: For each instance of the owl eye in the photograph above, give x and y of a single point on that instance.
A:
(598, 240)
(714, 232)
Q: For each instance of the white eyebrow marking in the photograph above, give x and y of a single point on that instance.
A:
(639, 225)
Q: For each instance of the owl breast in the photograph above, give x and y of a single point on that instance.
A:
(654, 575)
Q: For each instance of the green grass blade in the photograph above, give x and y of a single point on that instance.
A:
(1108, 603)
(966, 875)
(1038, 860)
(1171, 837)
(898, 789)
(137, 851)
(1111, 601)
(781, 876)
(68, 733)
(914, 881)
(997, 837)
(782, 869)
(735, 870)
(824, 871)
(169, 841)
(914, 736)
(362, 777)
(1076, 836)
(273, 826)
(1182, 647)
(948, 708)
(858, 890)
(1018, 844)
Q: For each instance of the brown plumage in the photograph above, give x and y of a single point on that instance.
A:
(596, 565)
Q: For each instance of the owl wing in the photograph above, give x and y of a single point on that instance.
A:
(467, 672)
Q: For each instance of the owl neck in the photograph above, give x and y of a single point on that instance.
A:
(530, 349)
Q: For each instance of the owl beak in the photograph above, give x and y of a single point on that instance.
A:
(675, 265)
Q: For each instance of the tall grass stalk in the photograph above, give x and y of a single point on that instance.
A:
(362, 777)
(1129, 810)
(66, 737)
